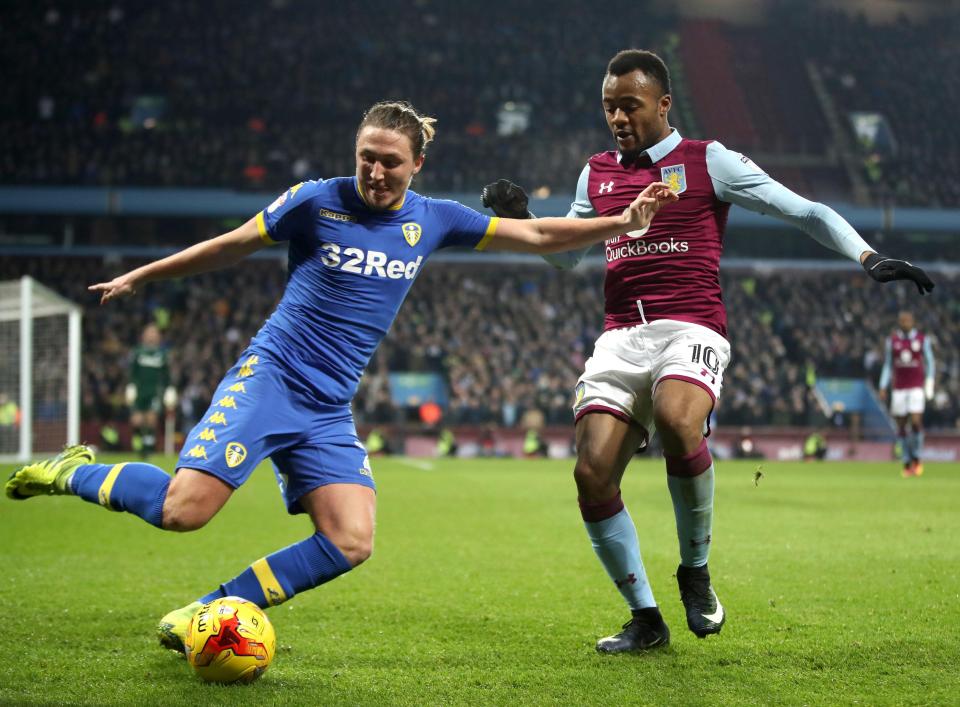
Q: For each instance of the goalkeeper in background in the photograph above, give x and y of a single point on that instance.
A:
(149, 389)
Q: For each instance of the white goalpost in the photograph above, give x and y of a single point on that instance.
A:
(39, 370)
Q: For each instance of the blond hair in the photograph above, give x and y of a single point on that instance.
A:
(404, 118)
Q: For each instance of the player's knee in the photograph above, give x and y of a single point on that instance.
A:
(356, 545)
(592, 477)
(678, 429)
(183, 518)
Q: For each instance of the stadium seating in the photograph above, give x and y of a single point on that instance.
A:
(513, 338)
(120, 106)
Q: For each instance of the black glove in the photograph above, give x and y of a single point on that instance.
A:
(506, 199)
(884, 269)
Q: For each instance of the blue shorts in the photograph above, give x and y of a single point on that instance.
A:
(261, 409)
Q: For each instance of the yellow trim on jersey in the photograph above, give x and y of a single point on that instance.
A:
(262, 230)
(272, 591)
(488, 236)
(103, 495)
(395, 207)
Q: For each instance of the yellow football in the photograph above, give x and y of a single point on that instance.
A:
(230, 640)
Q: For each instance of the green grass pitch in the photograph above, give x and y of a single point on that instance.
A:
(840, 582)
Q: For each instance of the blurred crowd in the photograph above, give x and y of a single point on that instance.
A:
(261, 95)
(906, 72)
(509, 339)
(270, 93)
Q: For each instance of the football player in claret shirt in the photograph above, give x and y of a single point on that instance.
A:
(659, 363)
(908, 370)
(356, 244)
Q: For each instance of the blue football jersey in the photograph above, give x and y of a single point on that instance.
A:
(350, 268)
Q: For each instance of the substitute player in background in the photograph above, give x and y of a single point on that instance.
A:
(149, 390)
(356, 246)
(909, 357)
(659, 363)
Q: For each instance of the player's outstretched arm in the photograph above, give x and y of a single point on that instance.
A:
(553, 235)
(736, 179)
(213, 254)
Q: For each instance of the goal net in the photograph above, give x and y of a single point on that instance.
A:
(39, 370)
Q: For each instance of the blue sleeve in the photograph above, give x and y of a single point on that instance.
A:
(929, 367)
(463, 226)
(289, 214)
(737, 180)
(580, 208)
(887, 366)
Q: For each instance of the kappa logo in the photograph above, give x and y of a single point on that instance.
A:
(605, 187)
(217, 418)
(208, 435)
(336, 216)
(676, 178)
(235, 453)
(246, 368)
(412, 233)
(237, 388)
(198, 452)
(227, 401)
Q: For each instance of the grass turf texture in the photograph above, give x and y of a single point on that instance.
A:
(840, 581)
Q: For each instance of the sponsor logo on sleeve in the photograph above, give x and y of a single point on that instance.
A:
(277, 203)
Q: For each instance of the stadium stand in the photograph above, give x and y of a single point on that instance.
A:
(512, 338)
(119, 105)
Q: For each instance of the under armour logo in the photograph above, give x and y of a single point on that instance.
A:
(631, 578)
(606, 187)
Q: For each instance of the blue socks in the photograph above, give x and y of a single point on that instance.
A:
(916, 445)
(614, 539)
(134, 487)
(693, 508)
(690, 480)
(275, 578)
(905, 441)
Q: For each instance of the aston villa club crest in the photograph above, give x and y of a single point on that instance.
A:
(676, 178)
(412, 233)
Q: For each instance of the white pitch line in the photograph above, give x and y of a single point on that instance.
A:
(416, 463)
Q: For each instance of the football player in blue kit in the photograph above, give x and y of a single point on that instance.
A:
(356, 244)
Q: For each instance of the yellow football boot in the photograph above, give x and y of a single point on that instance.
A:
(49, 477)
(172, 629)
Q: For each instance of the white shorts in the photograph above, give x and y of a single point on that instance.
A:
(628, 364)
(906, 401)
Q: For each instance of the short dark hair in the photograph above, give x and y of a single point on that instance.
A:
(641, 60)
(404, 118)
